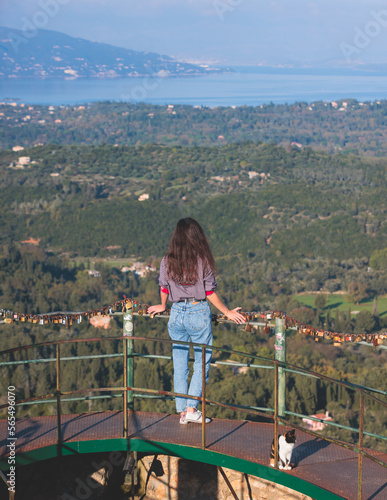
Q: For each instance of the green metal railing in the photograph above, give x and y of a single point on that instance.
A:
(127, 391)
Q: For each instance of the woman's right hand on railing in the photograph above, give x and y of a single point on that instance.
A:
(234, 315)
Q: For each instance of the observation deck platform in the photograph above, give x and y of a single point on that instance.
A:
(323, 470)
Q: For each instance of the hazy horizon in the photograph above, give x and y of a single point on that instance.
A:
(333, 33)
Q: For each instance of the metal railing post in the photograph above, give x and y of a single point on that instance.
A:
(125, 409)
(58, 402)
(11, 493)
(203, 398)
(128, 332)
(280, 355)
(276, 415)
(361, 431)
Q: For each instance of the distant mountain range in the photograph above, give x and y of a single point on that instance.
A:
(44, 53)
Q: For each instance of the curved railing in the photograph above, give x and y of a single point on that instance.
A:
(128, 390)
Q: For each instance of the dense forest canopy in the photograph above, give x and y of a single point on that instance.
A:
(346, 126)
(258, 202)
(280, 222)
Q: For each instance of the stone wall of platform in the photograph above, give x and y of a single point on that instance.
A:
(164, 477)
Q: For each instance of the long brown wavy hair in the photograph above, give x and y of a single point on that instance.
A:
(188, 243)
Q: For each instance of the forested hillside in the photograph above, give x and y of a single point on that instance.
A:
(281, 221)
(346, 126)
(54, 54)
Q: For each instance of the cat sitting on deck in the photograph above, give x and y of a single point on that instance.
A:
(285, 449)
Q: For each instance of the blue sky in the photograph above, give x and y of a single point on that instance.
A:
(247, 32)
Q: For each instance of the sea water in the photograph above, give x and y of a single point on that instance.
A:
(244, 86)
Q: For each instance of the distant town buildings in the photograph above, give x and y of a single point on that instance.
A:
(139, 268)
(314, 425)
(253, 174)
(24, 160)
(170, 109)
(94, 273)
(31, 241)
(143, 197)
(17, 148)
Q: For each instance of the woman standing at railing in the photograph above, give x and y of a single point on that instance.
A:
(187, 279)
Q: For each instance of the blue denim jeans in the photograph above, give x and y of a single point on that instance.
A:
(190, 323)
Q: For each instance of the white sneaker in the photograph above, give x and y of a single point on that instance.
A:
(195, 417)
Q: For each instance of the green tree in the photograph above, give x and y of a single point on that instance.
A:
(305, 315)
(365, 322)
(357, 291)
(378, 259)
(320, 301)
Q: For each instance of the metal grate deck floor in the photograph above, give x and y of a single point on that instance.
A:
(319, 462)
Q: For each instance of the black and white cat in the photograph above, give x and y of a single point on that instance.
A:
(285, 449)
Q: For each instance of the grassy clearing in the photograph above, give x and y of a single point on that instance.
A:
(342, 303)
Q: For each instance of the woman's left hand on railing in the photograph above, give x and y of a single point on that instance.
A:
(159, 308)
